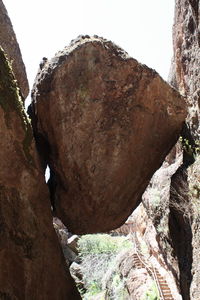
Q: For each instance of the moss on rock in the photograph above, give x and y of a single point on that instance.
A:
(11, 101)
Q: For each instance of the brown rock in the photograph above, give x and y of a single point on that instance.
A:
(104, 123)
(194, 184)
(184, 217)
(32, 265)
(186, 40)
(10, 45)
(138, 283)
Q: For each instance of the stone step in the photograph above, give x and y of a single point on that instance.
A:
(166, 292)
(168, 296)
(164, 285)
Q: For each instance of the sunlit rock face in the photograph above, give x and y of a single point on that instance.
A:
(104, 123)
(10, 45)
(32, 265)
(186, 77)
(186, 41)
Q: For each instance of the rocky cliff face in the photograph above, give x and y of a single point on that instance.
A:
(186, 41)
(9, 43)
(185, 184)
(177, 222)
(32, 265)
(104, 123)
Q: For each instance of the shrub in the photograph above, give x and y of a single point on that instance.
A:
(152, 293)
(116, 286)
(101, 244)
(97, 253)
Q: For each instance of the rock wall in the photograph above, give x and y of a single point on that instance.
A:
(32, 264)
(103, 123)
(186, 42)
(9, 43)
(184, 215)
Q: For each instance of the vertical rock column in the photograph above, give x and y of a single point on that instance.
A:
(186, 78)
(31, 261)
(186, 42)
(10, 45)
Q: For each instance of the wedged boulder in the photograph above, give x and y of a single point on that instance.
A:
(10, 45)
(32, 264)
(104, 123)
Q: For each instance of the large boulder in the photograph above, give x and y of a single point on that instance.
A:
(32, 264)
(104, 124)
(9, 43)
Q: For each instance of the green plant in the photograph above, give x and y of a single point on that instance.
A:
(194, 187)
(191, 148)
(155, 197)
(11, 101)
(94, 288)
(101, 243)
(152, 293)
(117, 290)
(97, 253)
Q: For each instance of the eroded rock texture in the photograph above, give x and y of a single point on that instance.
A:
(184, 219)
(32, 265)
(104, 123)
(9, 43)
(186, 40)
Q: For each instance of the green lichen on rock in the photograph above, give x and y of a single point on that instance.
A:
(11, 101)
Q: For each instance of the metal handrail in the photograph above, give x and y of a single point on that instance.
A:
(151, 270)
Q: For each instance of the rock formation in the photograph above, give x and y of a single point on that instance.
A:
(103, 123)
(186, 182)
(32, 265)
(9, 43)
(186, 41)
(174, 205)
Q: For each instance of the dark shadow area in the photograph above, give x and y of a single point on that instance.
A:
(180, 229)
(181, 214)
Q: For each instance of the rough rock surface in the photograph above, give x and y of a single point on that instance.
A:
(185, 76)
(194, 185)
(69, 245)
(9, 43)
(138, 281)
(104, 124)
(149, 237)
(186, 41)
(32, 265)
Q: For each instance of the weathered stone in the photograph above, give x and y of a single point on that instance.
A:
(104, 123)
(70, 252)
(186, 62)
(76, 272)
(72, 243)
(194, 184)
(9, 43)
(184, 217)
(32, 265)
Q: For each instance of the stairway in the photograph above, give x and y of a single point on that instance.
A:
(137, 262)
(164, 288)
(162, 285)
